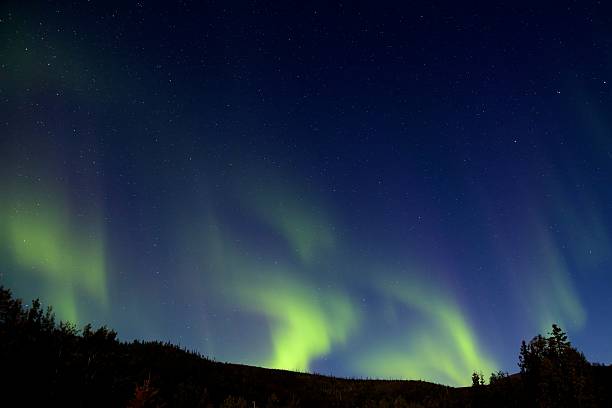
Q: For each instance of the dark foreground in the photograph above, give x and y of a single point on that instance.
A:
(48, 364)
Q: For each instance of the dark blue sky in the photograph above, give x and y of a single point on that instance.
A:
(363, 189)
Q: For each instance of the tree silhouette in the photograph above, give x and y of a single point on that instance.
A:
(554, 373)
(477, 379)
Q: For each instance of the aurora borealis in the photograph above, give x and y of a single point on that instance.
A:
(359, 190)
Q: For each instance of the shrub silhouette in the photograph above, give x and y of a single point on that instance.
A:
(146, 396)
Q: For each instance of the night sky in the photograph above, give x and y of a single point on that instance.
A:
(356, 189)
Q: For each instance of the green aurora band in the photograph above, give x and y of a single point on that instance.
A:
(560, 303)
(305, 322)
(442, 348)
(291, 213)
(307, 234)
(64, 253)
(308, 319)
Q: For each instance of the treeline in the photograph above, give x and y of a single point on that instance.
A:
(553, 373)
(46, 363)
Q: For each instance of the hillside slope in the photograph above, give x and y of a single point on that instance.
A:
(49, 364)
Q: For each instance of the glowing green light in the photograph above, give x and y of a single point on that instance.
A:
(552, 293)
(306, 323)
(442, 349)
(49, 244)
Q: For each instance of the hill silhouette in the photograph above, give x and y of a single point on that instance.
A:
(44, 363)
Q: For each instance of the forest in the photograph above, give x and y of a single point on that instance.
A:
(49, 363)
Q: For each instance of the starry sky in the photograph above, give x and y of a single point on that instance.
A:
(385, 190)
